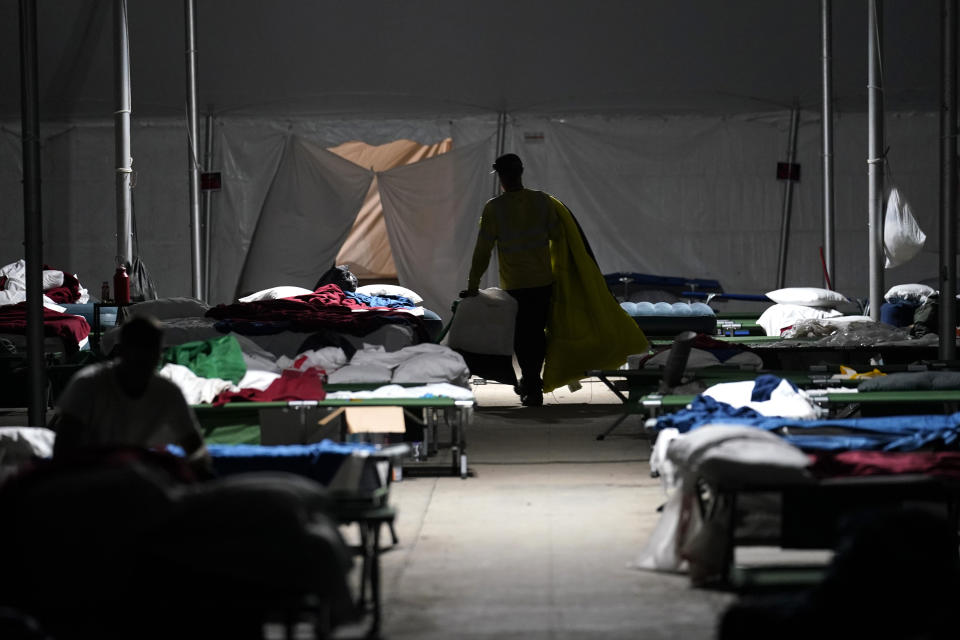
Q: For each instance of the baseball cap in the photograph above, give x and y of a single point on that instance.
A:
(508, 161)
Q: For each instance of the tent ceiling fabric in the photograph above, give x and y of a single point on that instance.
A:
(453, 58)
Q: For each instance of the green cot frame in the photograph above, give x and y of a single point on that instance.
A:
(642, 384)
(653, 404)
(240, 422)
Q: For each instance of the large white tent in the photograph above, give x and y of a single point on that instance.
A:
(659, 123)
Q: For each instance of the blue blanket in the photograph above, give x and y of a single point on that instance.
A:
(319, 461)
(391, 302)
(887, 433)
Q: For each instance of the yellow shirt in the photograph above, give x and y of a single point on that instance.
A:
(522, 224)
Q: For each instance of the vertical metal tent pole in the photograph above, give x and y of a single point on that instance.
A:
(193, 155)
(207, 200)
(121, 133)
(875, 157)
(948, 181)
(788, 195)
(501, 144)
(826, 125)
(32, 222)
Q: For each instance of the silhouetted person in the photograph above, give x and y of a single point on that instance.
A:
(521, 223)
(895, 575)
(125, 402)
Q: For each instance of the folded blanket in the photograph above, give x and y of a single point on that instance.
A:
(913, 380)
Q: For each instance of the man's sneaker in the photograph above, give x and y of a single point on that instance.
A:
(532, 400)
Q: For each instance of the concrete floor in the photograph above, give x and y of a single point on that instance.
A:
(536, 543)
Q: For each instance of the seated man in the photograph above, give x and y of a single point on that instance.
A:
(125, 402)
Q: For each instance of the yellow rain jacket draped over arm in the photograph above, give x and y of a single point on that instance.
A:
(587, 328)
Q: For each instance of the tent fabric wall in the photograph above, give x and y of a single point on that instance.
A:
(259, 177)
(367, 247)
(78, 202)
(432, 210)
(689, 196)
(311, 205)
(698, 196)
(11, 192)
(248, 159)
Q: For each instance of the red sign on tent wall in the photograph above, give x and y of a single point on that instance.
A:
(210, 181)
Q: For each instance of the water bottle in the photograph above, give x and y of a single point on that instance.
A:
(105, 292)
(121, 286)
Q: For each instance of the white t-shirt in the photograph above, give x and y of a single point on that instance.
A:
(159, 417)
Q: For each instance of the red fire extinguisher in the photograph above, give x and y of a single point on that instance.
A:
(121, 286)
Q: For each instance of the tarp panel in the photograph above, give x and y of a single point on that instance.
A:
(698, 196)
(367, 247)
(248, 159)
(679, 196)
(308, 212)
(432, 210)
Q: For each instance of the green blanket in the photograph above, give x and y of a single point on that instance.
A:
(214, 358)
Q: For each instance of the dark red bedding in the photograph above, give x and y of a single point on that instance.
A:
(325, 308)
(71, 328)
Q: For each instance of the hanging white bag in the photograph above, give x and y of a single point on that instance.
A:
(902, 236)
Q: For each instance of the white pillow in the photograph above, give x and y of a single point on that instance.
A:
(807, 297)
(275, 293)
(52, 279)
(910, 292)
(390, 290)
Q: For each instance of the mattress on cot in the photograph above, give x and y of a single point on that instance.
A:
(628, 283)
(664, 318)
(346, 469)
(69, 331)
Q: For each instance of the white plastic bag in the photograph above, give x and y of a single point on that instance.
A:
(484, 323)
(902, 236)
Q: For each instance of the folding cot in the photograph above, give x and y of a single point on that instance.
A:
(248, 422)
(655, 404)
(818, 472)
(642, 396)
(810, 511)
(357, 477)
(119, 539)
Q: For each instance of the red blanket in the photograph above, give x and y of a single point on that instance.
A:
(72, 329)
(325, 308)
(291, 385)
(870, 463)
(67, 293)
